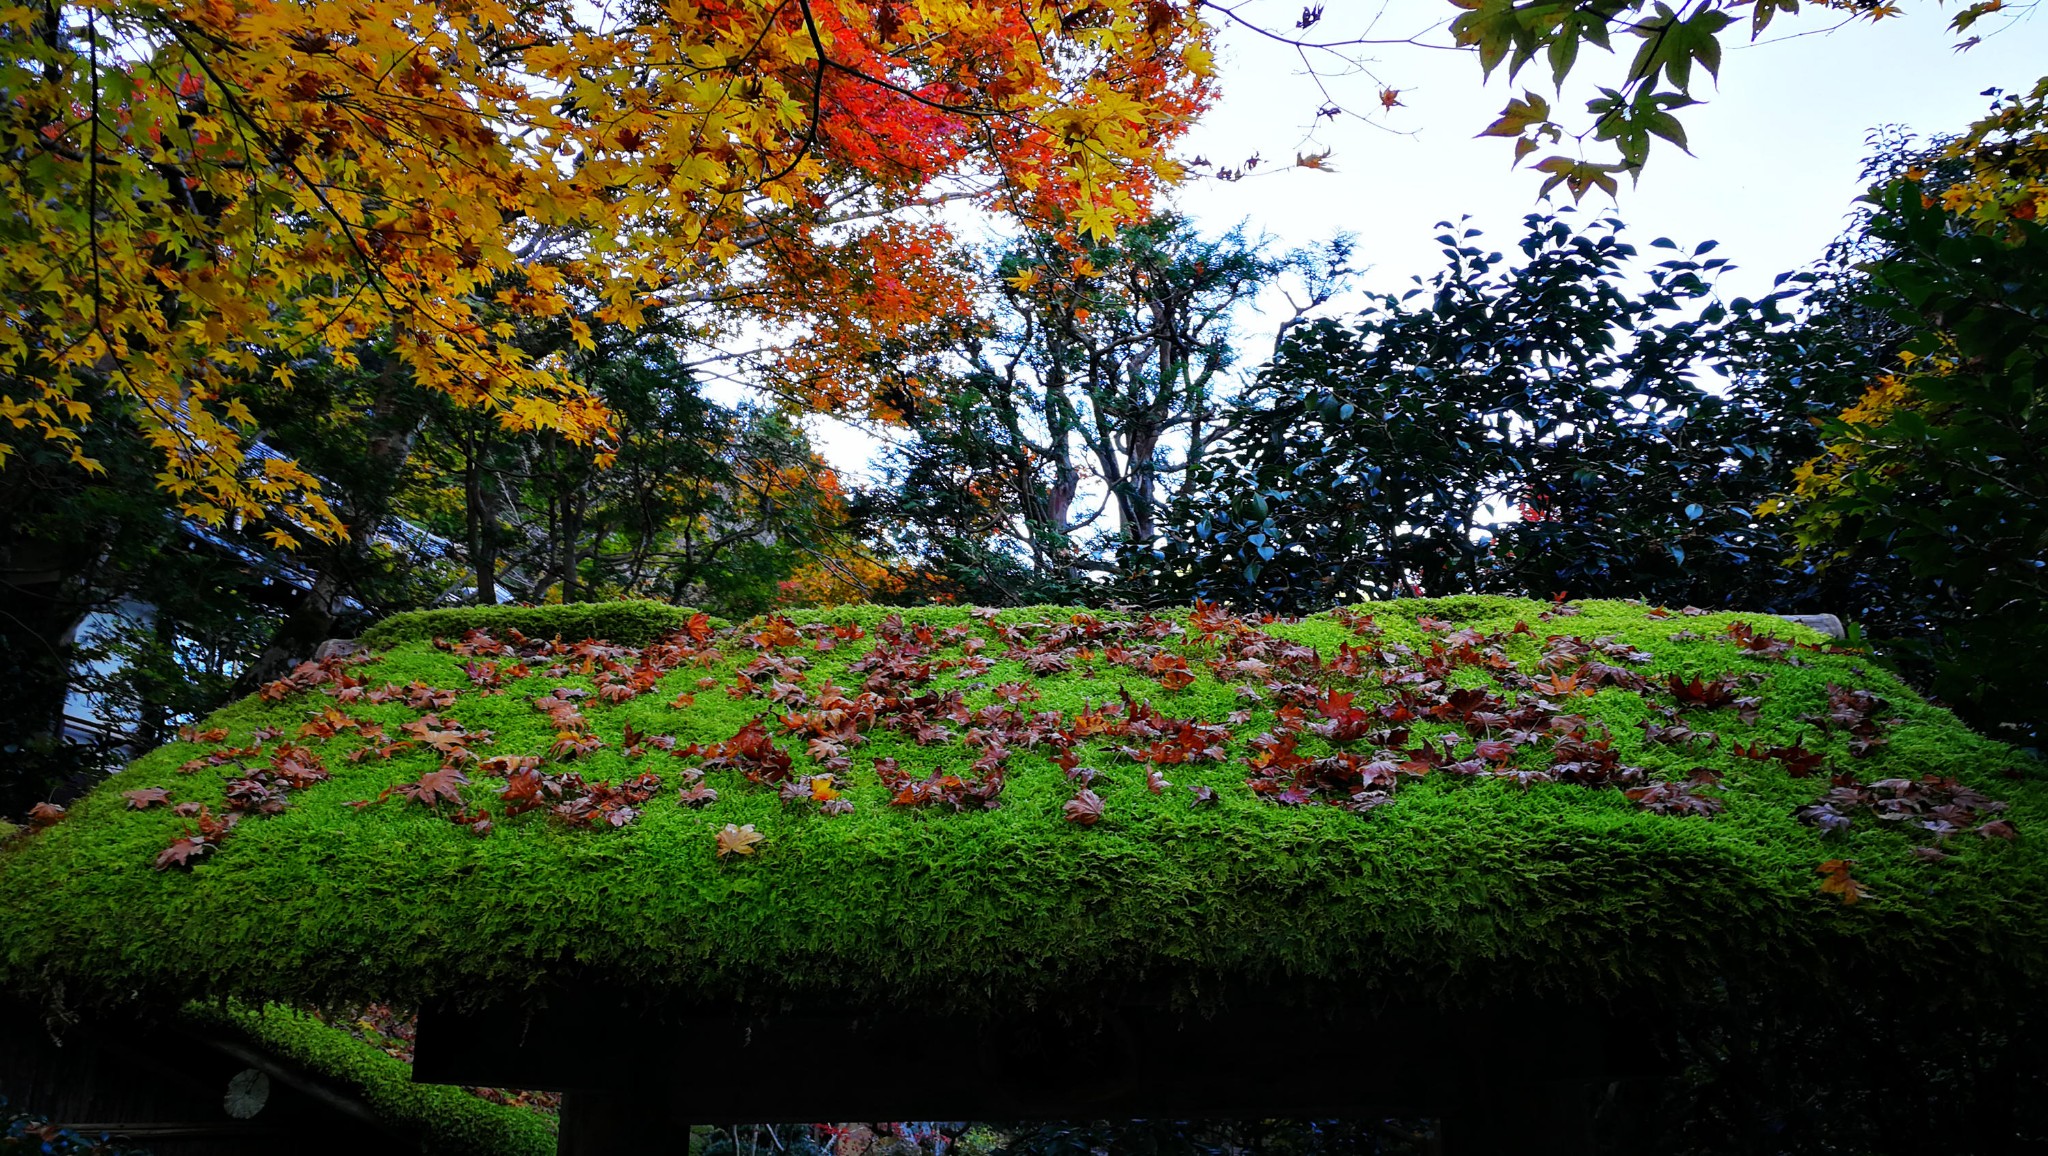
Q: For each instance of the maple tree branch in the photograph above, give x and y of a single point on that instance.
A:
(817, 97)
(967, 110)
(1335, 47)
(92, 176)
(356, 243)
(374, 273)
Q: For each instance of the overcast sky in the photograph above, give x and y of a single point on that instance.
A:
(1773, 175)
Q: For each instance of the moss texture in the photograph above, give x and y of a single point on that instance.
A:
(1461, 889)
(630, 623)
(448, 1120)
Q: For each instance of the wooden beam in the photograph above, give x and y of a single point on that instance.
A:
(1128, 1062)
(196, 1130)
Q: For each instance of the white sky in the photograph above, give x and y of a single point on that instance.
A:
(1773, 175)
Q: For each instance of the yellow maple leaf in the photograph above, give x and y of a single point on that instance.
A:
(678, 157)
(735, 840)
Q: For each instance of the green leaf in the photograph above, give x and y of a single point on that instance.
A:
(1654, 31)
(1519, 115)
(1564, 52)
(1760, 15)
(1673, 46)
(1491, 27)
(1665, 125)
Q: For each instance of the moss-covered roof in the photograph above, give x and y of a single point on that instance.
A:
(1335, 849)
(447, 1121)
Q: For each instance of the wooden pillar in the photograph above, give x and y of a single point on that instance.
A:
(616, 1123)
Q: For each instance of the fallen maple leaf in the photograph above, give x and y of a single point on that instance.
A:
(737, 840)
(1709, 693)
(432, 788)
(147, 797)
(1084, 808)
(44, 814)
(181, 853)
(1837, 881)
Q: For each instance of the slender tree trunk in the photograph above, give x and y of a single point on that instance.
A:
(572, 531)
(481, 524)
(489, 502)
(153, 719)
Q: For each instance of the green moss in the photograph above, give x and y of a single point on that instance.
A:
(1458, 890)
(630, 623)
(448, 1120)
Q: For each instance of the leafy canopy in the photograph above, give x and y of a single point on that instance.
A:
(1940, 460)
(1672, 53)
(1530, 423)
(203, 193)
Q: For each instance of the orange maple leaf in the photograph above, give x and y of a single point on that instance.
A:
(1838, 882)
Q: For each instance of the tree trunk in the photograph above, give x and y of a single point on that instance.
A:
(308, 624)
(482, 524)
(153, 727)
(572, 531)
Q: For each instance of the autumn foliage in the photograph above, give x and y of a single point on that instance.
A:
(207, 192)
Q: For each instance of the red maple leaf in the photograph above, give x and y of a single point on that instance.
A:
(1084, 808)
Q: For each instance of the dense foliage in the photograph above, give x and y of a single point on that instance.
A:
(1062, 435)
(254, 249)
(1532, 426)
(1941, 466)
(206, 192)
